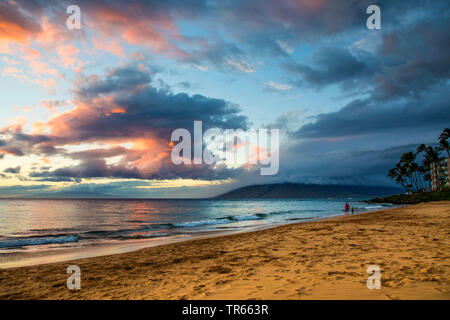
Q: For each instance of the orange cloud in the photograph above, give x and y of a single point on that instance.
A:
(10, 32)
(112, 47)
(118, 110)
(134, 29)
(151, 153)
(68, 55)
(11, 70)
(45, 160)
(38, 68)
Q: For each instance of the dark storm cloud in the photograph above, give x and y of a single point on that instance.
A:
(303, 18)
(118, 79)
(143, 109)
(16, 151)
(341, 162)
(415, 59)
(410, 60)
(19, 144)
(37, 138)
(266, 29)
(335, 65)
(367, 116)
(407, 90)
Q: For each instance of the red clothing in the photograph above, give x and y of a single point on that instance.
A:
(347, 207)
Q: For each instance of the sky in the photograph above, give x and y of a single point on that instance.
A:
(90, 111)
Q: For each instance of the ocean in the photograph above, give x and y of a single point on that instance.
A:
(36, 231)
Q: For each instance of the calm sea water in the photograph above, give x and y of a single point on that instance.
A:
(40, 225)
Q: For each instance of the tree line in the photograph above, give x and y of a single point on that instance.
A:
(416, 177)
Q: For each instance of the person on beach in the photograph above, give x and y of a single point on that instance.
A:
(347, 207)
(353, 210)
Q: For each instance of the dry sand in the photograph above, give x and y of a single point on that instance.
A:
(324, 259)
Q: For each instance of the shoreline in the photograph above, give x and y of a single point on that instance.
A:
(59, 255)
(321, 259)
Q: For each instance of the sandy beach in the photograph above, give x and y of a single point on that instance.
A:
(324, 259)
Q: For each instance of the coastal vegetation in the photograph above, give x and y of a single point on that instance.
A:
(417, 177)
(423, 181)
(418, 197)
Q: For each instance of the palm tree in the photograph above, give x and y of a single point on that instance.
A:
(398, 173)
(420, 149)
(409, 161)
(393, 173)
(413, 176)
(422, 170)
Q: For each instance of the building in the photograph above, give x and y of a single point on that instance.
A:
(440, 174)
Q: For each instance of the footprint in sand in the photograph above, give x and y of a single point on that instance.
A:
(303, 291)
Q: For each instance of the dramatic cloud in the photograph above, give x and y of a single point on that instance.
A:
(340, 164)
(366, 116)
(258, 27)
(407, 83)
(15, 25)
(123, 107)
(335, 66)
(410, 65)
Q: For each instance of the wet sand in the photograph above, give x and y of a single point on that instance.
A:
(324, 259)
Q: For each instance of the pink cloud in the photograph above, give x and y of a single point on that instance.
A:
(69, 56)
(111, 47)
(39, 68)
